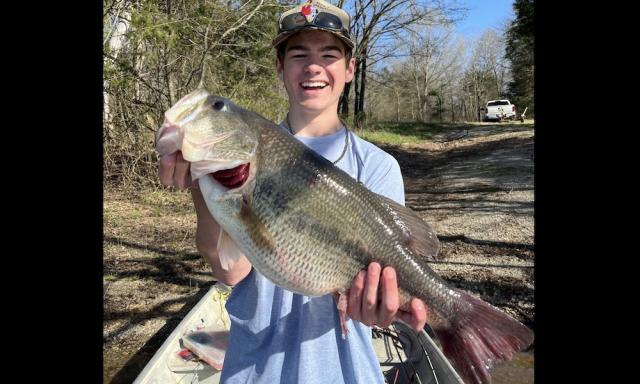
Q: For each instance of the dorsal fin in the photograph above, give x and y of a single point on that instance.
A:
(419, 235)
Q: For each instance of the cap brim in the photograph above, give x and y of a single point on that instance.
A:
(287, 34)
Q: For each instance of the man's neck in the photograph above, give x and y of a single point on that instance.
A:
(314, 125)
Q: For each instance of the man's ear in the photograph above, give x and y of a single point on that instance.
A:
(350, 70)
(279, 69)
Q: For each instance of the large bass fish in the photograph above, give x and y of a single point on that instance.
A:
(310, 228)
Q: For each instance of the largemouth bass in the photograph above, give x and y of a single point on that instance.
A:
(310, 228)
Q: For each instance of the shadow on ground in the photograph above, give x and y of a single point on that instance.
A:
(172, 269)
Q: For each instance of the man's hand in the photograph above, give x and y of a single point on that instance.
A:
(174, 171)
(365, 306)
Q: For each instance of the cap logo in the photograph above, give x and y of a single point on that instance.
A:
(309, 11)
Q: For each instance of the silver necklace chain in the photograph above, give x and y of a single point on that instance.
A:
(346, 139)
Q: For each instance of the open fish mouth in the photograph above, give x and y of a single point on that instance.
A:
(234, 177)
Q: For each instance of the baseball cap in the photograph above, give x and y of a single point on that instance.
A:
(314, 14)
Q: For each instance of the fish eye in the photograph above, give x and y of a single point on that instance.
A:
(218, 105)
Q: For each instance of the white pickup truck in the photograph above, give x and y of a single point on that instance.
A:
(499, 110)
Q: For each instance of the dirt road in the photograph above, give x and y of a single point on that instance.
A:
(473, 183)
(477, 192)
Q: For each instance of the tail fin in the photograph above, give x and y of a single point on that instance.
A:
(480, 338)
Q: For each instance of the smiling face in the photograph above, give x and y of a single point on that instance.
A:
(314, 71)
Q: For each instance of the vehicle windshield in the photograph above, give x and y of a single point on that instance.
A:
(497, 102)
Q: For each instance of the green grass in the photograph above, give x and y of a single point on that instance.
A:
(110, 277)
(386, 137)
(404, 133)
(393, 133)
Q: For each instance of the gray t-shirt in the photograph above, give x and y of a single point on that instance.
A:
(278, 336)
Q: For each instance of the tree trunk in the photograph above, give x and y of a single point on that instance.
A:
(356, 89)
(116, 40)
(498, 90)
(169, 81)
(477, 96)
(472, 103)
(362, 117)
(418, 100)
(397, 105)
(106, 113)
(453, 119)
(413, 111)
(343, 105)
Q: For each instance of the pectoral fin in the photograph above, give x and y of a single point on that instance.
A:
(228, 251)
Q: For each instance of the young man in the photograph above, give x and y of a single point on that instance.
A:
(276, 335)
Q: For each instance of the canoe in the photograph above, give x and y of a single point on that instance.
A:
(167, 366)
(405, 356)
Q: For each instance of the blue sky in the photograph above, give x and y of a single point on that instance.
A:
(483, 14)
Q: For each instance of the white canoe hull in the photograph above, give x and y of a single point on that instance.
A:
(166, 366)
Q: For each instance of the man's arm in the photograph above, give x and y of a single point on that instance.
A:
(174, 171)
(207, 233)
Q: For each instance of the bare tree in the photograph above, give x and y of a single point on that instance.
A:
(375, 24)
(436, 58)
(489, 53)
(437, 75)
